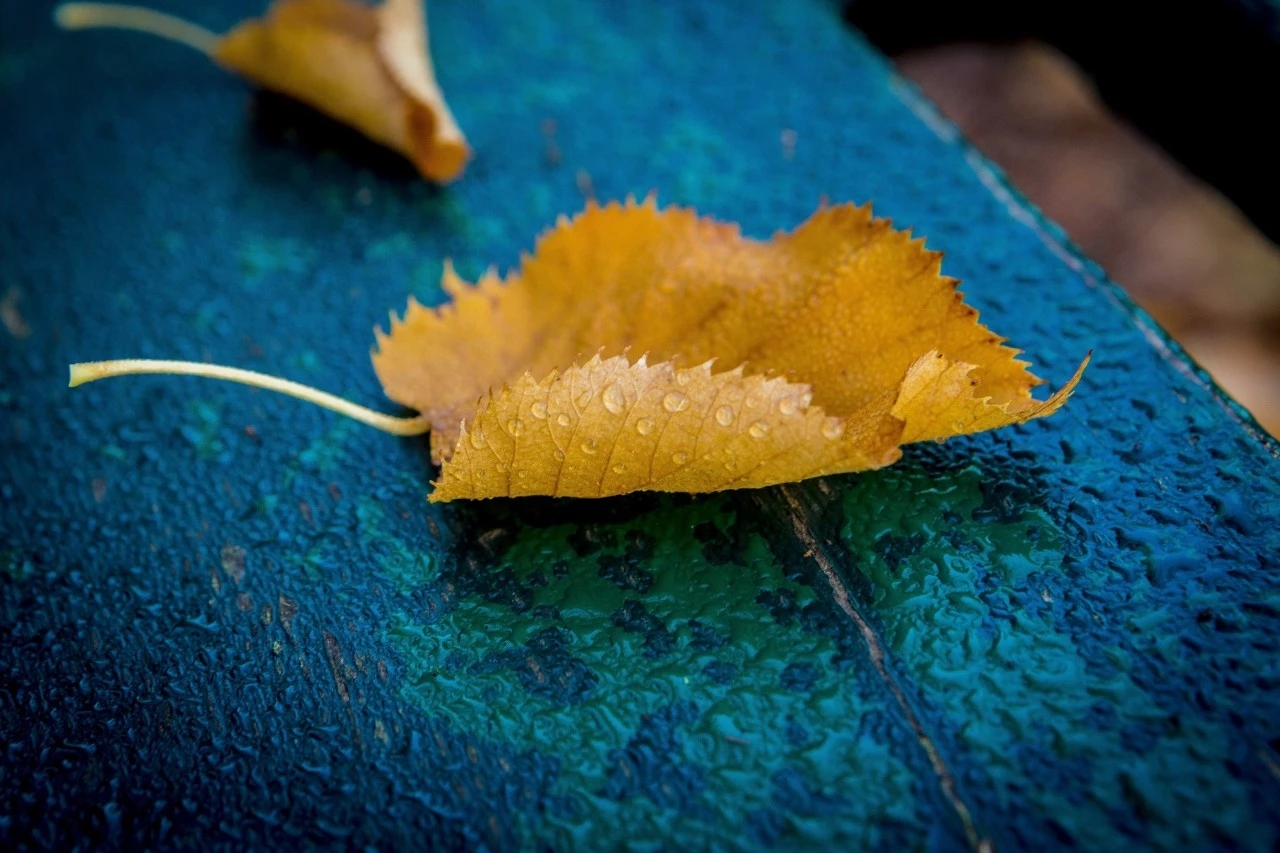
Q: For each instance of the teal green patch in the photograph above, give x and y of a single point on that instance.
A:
(261, 257)
(15, 566)
(174, 243)
(203, 426)
(305, 360)
(487, 234)
(956, 600)
(406, 568)
(208, 315)
(124, 300)
(542, 203)
(322, 454)
(265, 504)
(395, 246)
(713, 173)
(689, 598)
(114, 452)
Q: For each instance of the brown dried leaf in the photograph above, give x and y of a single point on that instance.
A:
(365, 66)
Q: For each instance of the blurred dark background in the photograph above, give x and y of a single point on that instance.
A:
(1146, 130)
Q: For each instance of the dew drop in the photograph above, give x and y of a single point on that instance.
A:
(684, 377)
(724, 416)
(680, 457)
(787, 405)
(644, 426)
(589, 447)
(675, 402)
(538, 410)
(753, 400)
(563, 419)
(833, 428)
(557, 455)
(805, 399)
(731, 464)
(477, 438)
(759, 429)
(515, 426)
(614, 400)
(619, 468)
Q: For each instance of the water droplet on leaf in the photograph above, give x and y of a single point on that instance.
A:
(614, 400)
(674, 402)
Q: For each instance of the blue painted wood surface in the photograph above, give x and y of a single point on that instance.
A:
(228, 619)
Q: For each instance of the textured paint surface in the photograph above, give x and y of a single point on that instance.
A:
(231, 619)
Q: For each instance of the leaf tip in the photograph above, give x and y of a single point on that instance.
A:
(1064, 393)
(450, 282)
(446, 160)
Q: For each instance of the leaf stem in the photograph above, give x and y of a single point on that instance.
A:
(81, 16)
(94, 370)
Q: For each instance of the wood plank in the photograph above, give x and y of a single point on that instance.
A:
(227, 618)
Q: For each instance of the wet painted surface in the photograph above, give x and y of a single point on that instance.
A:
(230, 619)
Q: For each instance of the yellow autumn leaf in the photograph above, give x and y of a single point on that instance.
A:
(610, 427)
(363, 65)
(877, 346)
(820, 351)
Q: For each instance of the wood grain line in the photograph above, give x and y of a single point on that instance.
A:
(338, 665)
(876, 652)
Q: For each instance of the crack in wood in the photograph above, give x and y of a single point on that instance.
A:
(876, 652)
